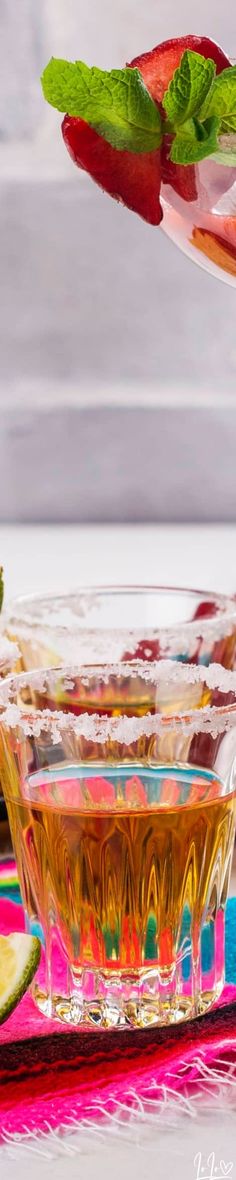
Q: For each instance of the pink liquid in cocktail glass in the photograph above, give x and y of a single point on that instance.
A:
(202, 221)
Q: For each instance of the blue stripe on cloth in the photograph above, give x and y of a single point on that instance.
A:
(230, 941)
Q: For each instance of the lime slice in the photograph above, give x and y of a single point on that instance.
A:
(19, 959)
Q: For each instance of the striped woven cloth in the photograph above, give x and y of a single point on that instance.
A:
(51, 1077)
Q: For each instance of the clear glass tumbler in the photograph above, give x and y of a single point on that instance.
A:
(116, 624)
(113, 623)
(123, 826)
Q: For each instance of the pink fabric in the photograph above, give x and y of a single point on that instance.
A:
(51, 1076)
(26, 1021)
(83, 1078)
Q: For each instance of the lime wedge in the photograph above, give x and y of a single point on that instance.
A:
(19, 959)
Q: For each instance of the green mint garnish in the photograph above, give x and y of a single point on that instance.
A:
(192, 85)
(117, 104)
(199, 107)
(189, 87)
(194, 141)
(222, 101)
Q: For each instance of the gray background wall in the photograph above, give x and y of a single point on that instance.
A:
(118, 357)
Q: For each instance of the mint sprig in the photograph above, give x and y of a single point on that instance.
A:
(221, 101)
(198, 107)
(195, 141)
(192, 85)
(116, 104)
(189, 87)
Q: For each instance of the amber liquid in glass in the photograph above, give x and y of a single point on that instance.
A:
(125, 872)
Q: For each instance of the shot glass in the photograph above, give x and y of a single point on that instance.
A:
(97, 625)
(123, 827)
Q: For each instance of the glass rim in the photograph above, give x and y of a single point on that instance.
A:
(209, 628)
(118, 588)
(125, 727)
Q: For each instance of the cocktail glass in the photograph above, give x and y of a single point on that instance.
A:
(202, 221)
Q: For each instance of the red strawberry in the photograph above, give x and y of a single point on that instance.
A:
(158, 66)
(181, 179)
(133, 179)
(136, 179)
(157, 69)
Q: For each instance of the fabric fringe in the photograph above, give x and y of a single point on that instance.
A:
(129, 1121)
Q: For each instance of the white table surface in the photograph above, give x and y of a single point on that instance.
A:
(56, 557)
(44, 558)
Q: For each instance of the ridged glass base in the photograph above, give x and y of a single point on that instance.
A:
(132, 1002)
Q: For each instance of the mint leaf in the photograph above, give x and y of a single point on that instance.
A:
(117, 104)
(194, 141)
(190, 85)
(222, 100)
(199, 108)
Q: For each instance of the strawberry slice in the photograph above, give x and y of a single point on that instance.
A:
(219, 247)
(132, 179)
(181, 179)
(158, 66)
